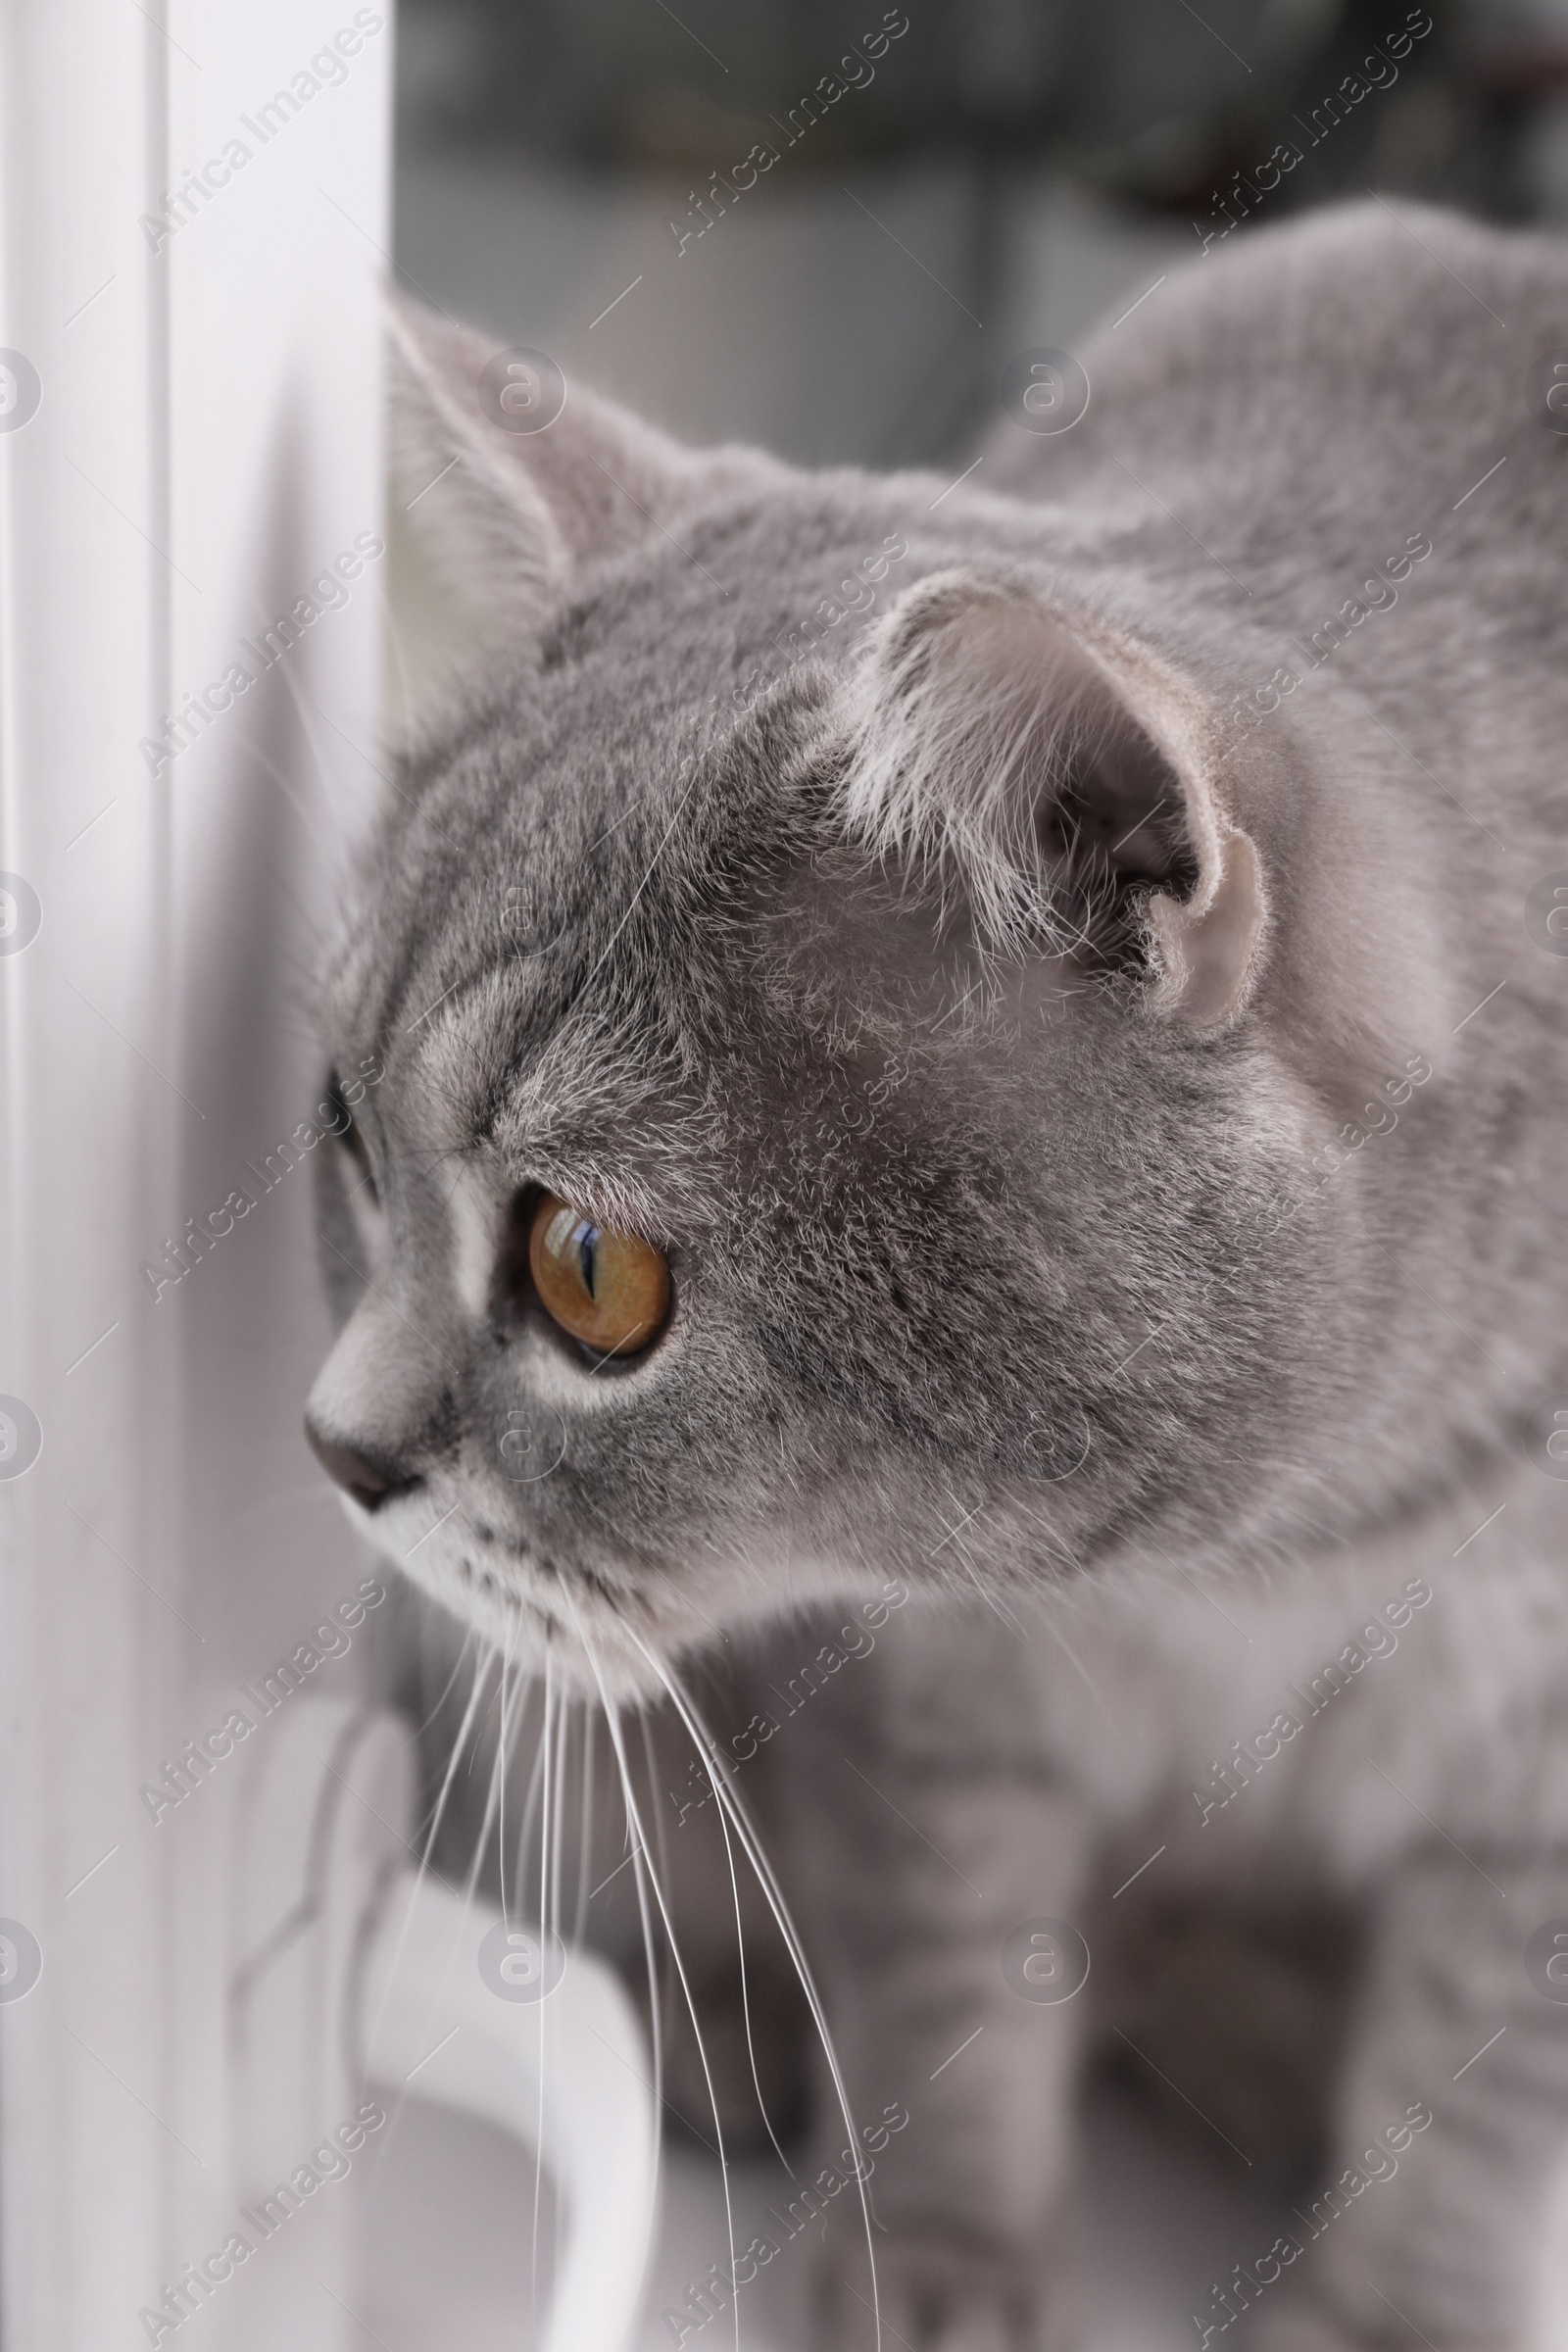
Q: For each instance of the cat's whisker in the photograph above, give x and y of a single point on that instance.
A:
(585, 1836)
(471, 1640)
(645, 1917)
(726, 1798)
(993, 1600)
(503, 1758)
(481, 1664)
(563, 1728)
(660, 1847)
(537, 1781)
(613, 1721)
(549, 1793)
(481, 1671)
(746, 1999)
(1053, 1628)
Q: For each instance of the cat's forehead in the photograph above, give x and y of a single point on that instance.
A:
(593, 848)
(550, 935)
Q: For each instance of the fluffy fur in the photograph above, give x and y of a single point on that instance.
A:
(1070, 1022)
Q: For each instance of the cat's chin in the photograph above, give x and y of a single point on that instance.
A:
(595, 1642)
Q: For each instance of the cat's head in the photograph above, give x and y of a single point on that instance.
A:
(832, 1049)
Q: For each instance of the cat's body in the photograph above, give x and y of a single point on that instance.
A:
(1084, 1790)
(1086, 1059)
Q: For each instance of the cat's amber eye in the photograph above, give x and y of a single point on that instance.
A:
(609, 1290)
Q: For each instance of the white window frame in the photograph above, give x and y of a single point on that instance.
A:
(208, 440)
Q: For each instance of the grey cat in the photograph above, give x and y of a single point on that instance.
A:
(988, 1064)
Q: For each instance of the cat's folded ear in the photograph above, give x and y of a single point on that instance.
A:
(1064, 778)
(506, 510)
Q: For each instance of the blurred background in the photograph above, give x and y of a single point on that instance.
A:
(826, 225)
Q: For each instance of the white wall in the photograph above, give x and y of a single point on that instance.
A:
(208, 438)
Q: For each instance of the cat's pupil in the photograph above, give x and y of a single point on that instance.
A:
(588, 1257)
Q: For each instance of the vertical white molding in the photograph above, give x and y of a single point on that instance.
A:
(208, 440)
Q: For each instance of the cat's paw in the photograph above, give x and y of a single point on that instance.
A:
(935, 2295)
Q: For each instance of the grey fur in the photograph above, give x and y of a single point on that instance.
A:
(985, 1165)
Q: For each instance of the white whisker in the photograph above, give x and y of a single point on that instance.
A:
(724, 1793)
(746, 1999)
(546, 1823)
(585, 1852)
(613, 1723)
(480, 1668)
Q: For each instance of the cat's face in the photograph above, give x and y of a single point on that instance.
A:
(817, 1130)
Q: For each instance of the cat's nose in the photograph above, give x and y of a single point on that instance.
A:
(369, 1483)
